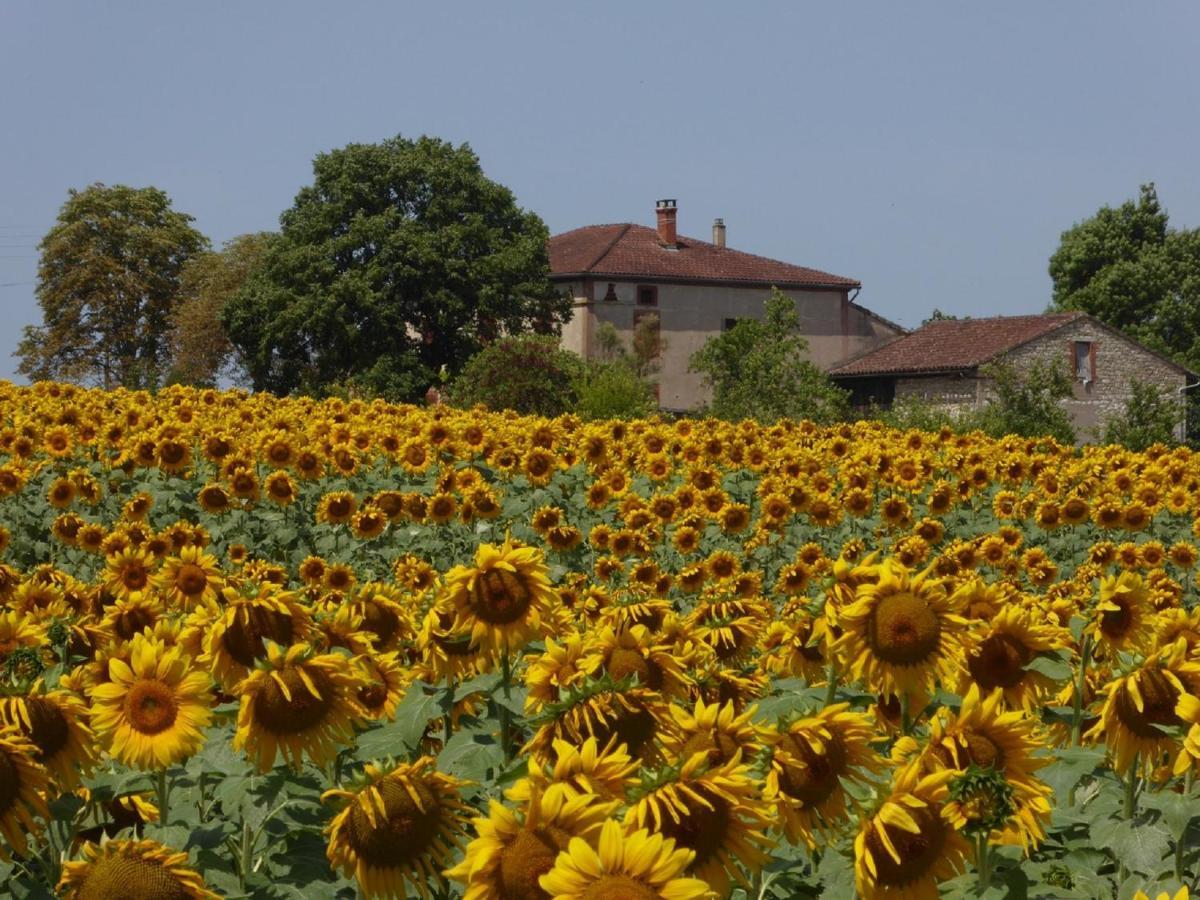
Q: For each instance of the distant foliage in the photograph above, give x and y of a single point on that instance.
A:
(527, 373)
(1150, 416)
(611, 389)
(759, 369)
(1028, 403)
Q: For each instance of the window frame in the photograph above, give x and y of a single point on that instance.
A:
(1090, 376)
(653, 292)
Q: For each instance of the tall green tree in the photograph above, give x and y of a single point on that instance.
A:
(107, 280)
(1130, 269)
(201, 352)
(759, 370)
(400, 259)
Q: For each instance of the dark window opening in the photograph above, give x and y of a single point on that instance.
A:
(871, 392)
(728, 324)
(647, 295)
(1083, 359)
(611, 296)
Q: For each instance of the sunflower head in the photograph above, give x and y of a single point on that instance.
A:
(143, 869)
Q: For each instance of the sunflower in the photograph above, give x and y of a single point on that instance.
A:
(384, 681)
(907, 847)
(297, 704)
(578, 770)
(1006, 645)
(502, 598)
(513, 851)
(337, 508)
(717, 730)
(1124, 617)
(131, 615)
(189, 579)
(397, 833)
(903, 633)
(630, 865)
(795, 647)
(153, 711)
(128, 572)
(634, 716)
(19, 630)
(237, 640)
(1140, 712)
(147, 870)
(56, 723)
(635, 652)
(715, 811)
(23, 789)
(812, 762)
(551, 672)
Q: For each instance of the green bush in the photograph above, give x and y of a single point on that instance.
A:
(528, 373)
(1027, 404)
(1150, 416)
(610, 389)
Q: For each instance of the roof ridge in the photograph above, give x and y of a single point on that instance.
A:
(624, 230)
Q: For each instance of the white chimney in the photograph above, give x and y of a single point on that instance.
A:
(719, 232)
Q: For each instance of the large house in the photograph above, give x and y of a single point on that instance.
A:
(944, 363)
(696, 289)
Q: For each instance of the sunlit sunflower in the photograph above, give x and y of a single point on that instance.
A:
(1124, 619)
(602, 709)
(146, 869)
(514, 849)
(384, 681)
(396, 834)
(502, 598)
(907, 847)
(551, 672)
(19, 630)
(902, 634)
(716, 811)
(796, 647)
(23, 790)
(1140, 714)
(580, 769)
(152, 712)
(56, 723)
(627, 865)
(635, 652)
(812, 762)
(337, 508)
(128, 572)
(449, 652)
(298, 704)
(189, 579)
(717, 730)
(238, 639)
(1005, 646)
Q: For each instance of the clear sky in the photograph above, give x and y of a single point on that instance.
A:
(934, 151)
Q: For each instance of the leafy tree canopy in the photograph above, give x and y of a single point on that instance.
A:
(1028, 403)
(108, 278)
(528, 373)
(1150, 416)
(1130, 269)
(201, 352)
(759, 370)
(400, 259)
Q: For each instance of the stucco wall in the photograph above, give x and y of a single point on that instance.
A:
(690, 314)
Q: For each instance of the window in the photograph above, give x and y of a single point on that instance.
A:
(611, 295)
(647, 295)
(728, 324)
(1083, 358)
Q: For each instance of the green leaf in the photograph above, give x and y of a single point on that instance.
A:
(467, 756)
(1066, 771)
(1177, 810)
(401, 736)
(1140, 847)
(1052, 666)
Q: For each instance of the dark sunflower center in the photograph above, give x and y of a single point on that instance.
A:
(10, 783)
(1159, 697)
(999, 662)
(191, 579)
(405, 831)
(1116, 623)
(983, 751)
(243, 640)
(119, 878)
(817, 778)
(618, 887)
(904, 629)
(275, 712)
(132, 622)
(624, 662)
(719, 746)
(134, 578)
(373, 696)
(918, 852)
(634, 729)
(150, 707)
(48, 727)
(502, 597)
(527, 859)
(701, 829)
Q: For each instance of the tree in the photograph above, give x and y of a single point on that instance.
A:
(758, 370)
(528, 373)
(1149, 416)
(1029, 403)
(201, 351)
(400, 259)
(107, 280)
(1130, 269)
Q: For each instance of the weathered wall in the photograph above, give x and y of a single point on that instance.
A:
(955, 393)
(689, 314)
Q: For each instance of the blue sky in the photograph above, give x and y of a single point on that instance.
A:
(934, 151)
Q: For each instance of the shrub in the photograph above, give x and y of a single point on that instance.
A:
(528, 373)
(610, 389)
(1150, 416)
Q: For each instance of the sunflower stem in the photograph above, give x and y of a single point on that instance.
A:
(450, 686)
(1085, 655)
(505, 721)
(983, 861)
(905, 715)
(163, 790)
(831, 685)
(1128, 810)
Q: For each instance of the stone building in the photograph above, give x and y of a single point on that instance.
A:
(941, 363)
(696, 289)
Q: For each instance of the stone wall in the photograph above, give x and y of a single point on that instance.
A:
(955, 393)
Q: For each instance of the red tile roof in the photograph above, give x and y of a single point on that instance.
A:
(951, 345)
(635, 251)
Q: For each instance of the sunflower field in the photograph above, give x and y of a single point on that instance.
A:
(298, 648)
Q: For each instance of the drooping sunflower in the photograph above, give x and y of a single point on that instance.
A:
(716, 729)
(630, 865)
(297, 704)
(503, 597)
(384, 681)
(152, 712)
(145, 869)
(514, 849)
(902, 634)
(397, 833)
(237, 640)
(907, 847)
(812, 762)
(796, 647)
(715, 811)
(582, 769)
(56, 723)
(449, 652)
(1005, 646)
(634, 652)
(602, 709)
(189, 579)
(23, 789)
(1124, 619)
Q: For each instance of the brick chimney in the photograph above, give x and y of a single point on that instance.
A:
(719, 232)
(666, 222)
